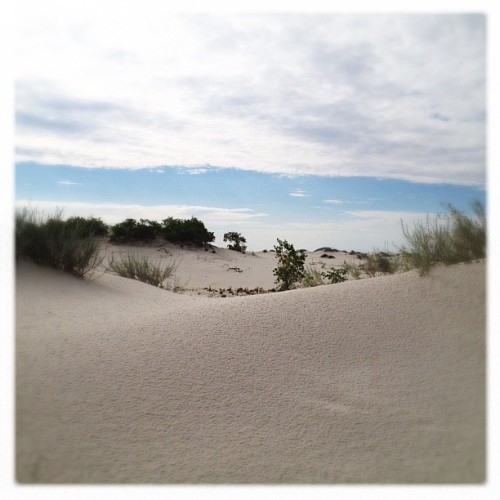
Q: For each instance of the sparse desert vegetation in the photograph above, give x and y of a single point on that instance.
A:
(334, 275)
(236, 241)
(73, 245)
(311, 277)
(70, 245)
(290, 268)
(152, 272)
(448, 238)
(191, 231)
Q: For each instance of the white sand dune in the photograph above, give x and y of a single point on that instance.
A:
(372, 381)
(197, 269)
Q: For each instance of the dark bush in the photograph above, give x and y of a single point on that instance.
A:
(147, 230)
(124, 231)
(186, 231)
(130, 230)
(89, 226)
(174, 230)
(290, 267)
(236, 241)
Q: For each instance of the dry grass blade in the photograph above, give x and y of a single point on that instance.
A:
(151, 271)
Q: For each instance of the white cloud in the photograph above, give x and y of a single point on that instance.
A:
(112, 213)
(193, 171)
(334, 202)
(290, 94)
(299, 193)
(69, 183)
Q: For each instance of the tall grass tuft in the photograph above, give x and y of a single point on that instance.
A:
(52, 241)
(312, 277)
(469, 235)
(152, 272)
(450, 238)
(353, 270)
(378, 263)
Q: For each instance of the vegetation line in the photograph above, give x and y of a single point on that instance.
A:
(73, 245)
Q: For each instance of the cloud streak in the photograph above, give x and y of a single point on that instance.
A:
(299, 193)
(398, 96)
(113, 213)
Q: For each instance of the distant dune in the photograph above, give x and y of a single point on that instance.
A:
(373, 381)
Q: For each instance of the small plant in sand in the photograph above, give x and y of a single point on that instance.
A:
(448, 238)
(334, 275)
(312, 277)
(152, 272)
(236, 241)
(290, 267)
(378, 262)
(352, 269)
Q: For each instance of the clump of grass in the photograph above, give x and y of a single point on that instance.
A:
(468, 235)
(447, 239)
(152, 272)
(378, 263)
(352, 269)
(311, 277)
(402, 263)
(52, 241)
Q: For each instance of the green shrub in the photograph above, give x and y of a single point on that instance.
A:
(174, 230)
(236, 241)
(290, 267)
(89, 226)
(55, 242)
(448, 239)
(147, 230)
(130, 230)
(152, 272)
(335, 275)
(186, 231)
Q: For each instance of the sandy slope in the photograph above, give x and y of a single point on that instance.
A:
(379, 380)
(198, 269)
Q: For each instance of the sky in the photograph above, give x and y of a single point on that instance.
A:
(322, 128)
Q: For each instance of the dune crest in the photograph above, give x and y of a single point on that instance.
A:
(373, 381)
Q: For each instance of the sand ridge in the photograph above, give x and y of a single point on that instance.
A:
(373, 381)
(221, 268)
